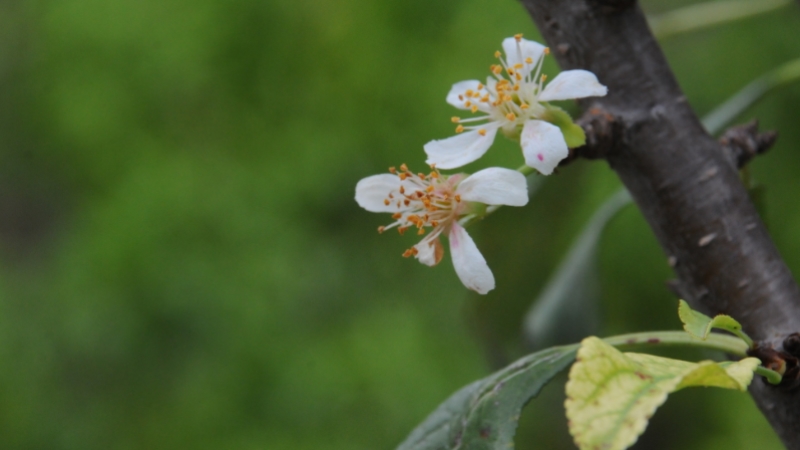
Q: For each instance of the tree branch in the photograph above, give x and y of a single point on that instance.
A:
(682, 180)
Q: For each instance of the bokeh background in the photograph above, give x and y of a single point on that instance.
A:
(182, 263)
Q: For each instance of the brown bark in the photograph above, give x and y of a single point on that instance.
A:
(683, 180)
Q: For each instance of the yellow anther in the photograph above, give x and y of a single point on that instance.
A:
(392, 170)
(402, 189)
(406, 202)
(529, 60)
(421, 232)
(485, 98)
(381, 229)
(510, 71)
(434, 175)
(480, 86)
(544, 77)
(403, 176)
(408, 253)
(506, 98)
(516, 87)
(397, 215)
(519, 65)
(518, 77)
(468, 103)
(459, 128)
(474, 108)
(547, 50)
(524, 106)
(482, 132)
(469, 93)
(497, 70)
(429, 188)
(518, 37)
(421, 175)
(497, 54)
(402, 230)
(458, 198)
(455, 119)
(404, 167)
(386, 201)
(511, 117)
(434, 223)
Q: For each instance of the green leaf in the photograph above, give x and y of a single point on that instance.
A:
(700, 325)
(567, 308)
(483, 415)
(612, 395)
(573, 133)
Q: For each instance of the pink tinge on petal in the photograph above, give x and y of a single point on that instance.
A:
(543, 145)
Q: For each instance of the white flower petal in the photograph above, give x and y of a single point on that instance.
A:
(573, 84)
(470, 266)
(371, 193)
(543, 145)
(460, 149)
(458, 95)
(527, 49)
(495, 186)
(430, 251)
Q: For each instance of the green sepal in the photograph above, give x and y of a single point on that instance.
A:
(573, 133)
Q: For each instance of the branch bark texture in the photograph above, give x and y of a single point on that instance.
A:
(682, 179)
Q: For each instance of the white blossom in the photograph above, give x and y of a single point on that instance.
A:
(433, 203)
(512, 100)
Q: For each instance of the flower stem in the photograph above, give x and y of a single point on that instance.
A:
(771, 376)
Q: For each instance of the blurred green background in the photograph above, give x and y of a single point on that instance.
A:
(182, 263)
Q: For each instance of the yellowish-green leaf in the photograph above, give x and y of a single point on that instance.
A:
(700, 325)
(611, 395)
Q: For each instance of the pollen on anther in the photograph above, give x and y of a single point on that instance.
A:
(547, 50)
(421, 231)
(381, 229)
(459, 128)
(544, 78)
(392, 169)
(524, 106)
(386, 201)
(482, 132)
(529, 60)
(401, 230)
(421, 175)
(397, 215)
(518, 37)
(474, 108)
(497, 54)
(404, 167)
(455, 119)
(458, 198)
(480, 86)
(402, 188)
(511, 116)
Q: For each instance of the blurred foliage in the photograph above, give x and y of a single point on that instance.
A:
(182, 264)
